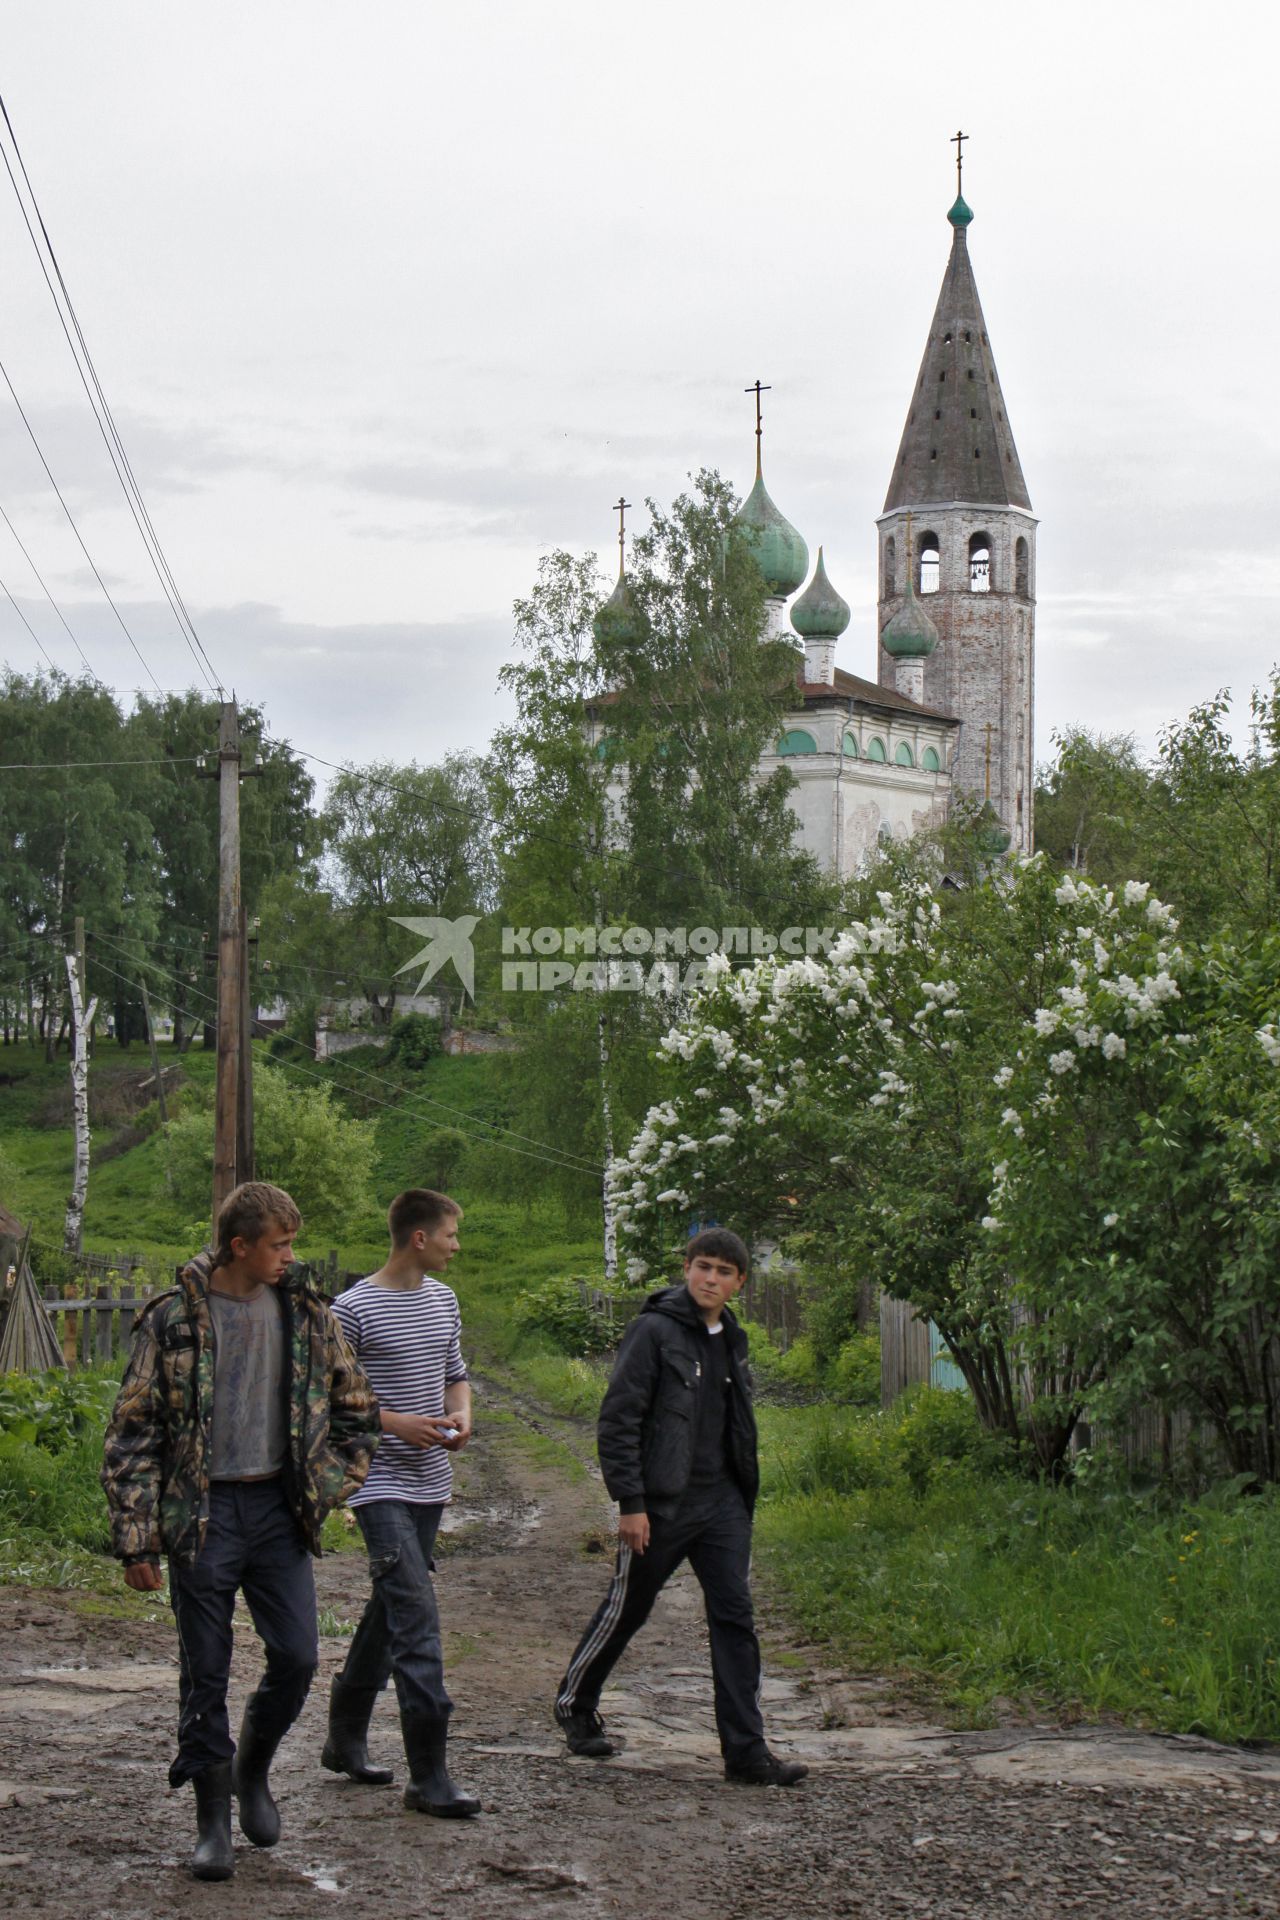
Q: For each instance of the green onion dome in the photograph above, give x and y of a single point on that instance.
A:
(779, 551)
(910, 634)
(962, 213)
(618, 621)
(992, 836)
(820, 613)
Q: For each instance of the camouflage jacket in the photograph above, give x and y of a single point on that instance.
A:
(155, 1470)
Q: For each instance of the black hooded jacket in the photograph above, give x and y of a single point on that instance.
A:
(648, 1419)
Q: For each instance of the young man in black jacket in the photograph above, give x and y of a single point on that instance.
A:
(677, 1446)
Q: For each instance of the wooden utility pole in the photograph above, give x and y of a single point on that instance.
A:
(244, 1109)
(155, 1052)
(227, 1102)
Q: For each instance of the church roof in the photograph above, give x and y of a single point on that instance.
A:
(866, 693)
(957, 444)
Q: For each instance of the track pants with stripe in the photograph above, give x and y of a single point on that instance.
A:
(711, 1529)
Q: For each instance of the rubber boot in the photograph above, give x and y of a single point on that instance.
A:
(214, 1858)
(345, 1750)
(259, 1815)
(430, 1790)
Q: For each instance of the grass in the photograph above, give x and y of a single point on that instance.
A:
(1090, 1602)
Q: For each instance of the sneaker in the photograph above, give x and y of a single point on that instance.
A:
(768, 1771)
(585, 1734)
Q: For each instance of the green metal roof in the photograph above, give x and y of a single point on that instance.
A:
(779, 551)
(962, 213)
(909, 634)
(820, 610)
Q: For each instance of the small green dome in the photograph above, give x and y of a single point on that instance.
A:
(618, 621)
(820, 612)
(779, 551)
(910, 634)
(962, 213)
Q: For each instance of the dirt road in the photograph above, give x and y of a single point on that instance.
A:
(897, 1818)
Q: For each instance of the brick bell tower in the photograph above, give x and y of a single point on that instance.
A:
(957, 503)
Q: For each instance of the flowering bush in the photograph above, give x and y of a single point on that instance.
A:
(1034, 1115)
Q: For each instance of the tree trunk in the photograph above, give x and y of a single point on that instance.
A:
(73, 1231)
(606, 1116)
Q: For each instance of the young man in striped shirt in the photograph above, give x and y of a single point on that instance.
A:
(405, 1330)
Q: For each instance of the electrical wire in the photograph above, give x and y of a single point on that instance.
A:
(102, 411)
(48, 596)
(4, 371)
(550, 1156)
(27, 624)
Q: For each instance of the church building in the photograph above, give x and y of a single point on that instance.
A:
(951, 707)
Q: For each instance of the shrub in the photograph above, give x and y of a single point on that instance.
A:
(415, 1039)
(50, 1410)
(855, 1372)
(556, 1309)
(940, 1427)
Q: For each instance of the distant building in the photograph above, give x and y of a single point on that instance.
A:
(951, 706)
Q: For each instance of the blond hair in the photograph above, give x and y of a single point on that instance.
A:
(248, 1211)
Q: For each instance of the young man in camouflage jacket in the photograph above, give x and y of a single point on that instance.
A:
(241, 1422)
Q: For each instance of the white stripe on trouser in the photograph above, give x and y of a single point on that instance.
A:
(608, 1621)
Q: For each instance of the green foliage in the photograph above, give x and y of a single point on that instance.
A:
(855, 1375)
(935, 1430)
(556, 1309)
(52, 1410)
(303, 1141)
(415, 1039)
(1090, 1602)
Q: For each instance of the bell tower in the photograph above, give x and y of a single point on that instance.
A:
(957, 505)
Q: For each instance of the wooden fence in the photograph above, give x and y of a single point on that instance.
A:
(93, 1314)
(771, 1300)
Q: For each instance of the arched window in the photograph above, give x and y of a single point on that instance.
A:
(890, 567)
(928, 564)
(875, 750)
(1022, 567)
(797, 741)
(904, 755)
(980, 563)
(850, 744)
(929, 760)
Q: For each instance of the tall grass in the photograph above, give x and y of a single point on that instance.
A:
(1090, 1601)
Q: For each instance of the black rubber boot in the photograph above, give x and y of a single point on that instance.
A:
(214, 1858)
(430, 1790)
(259, 1815)
(345, 1750)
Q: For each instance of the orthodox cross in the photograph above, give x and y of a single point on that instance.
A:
(757, 389)
(910, 579)
(620, 508)
(957, 141)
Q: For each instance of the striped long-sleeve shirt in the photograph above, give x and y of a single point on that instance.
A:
(408, 1342)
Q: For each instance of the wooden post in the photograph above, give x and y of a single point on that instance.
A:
(225, 1130)
(155, 1053)
(244, 1109)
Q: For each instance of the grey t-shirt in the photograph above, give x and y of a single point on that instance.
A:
(249, 1438)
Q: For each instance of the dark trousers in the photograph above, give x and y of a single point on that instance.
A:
(711, 1529)
(253, 1544)
(399, 1631)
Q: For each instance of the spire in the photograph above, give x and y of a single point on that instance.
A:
(957, 444)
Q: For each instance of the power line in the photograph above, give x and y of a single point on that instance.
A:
(68, 766)
(48, 596)
(550, 1156)
(102, 411)
(30, 629)
(75, 529)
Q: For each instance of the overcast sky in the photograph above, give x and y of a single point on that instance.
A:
(391, 299)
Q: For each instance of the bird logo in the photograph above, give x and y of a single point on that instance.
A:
(446, 940)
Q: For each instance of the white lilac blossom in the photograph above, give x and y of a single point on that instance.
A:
(1064, 1062)
(1113, 1047)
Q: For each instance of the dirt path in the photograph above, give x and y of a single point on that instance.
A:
(897, 1818)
